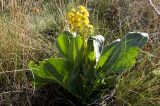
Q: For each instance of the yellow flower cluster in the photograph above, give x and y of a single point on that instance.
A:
(79, 21)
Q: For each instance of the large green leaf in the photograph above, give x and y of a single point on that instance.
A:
(38, 76)
(74, 47)
(64, 73)
(51, 70)
(122, 55)
(107, 52)
(63, 42)
(57, 70)
(69, 45)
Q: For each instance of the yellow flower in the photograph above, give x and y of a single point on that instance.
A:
(90, 26)
(85, 21)
(83, 11)
(79, 21)
(70, 15)
(81, 8)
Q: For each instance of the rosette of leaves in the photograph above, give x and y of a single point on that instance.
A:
(88, 79)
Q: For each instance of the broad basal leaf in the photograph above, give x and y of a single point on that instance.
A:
(69, 45)
(38, 75)
(122, 54)
(107, 52)
(58, 68)
(74, 47)
(63, 42)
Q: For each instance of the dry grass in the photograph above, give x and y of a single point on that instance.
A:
(20, 42)
(28, 30)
